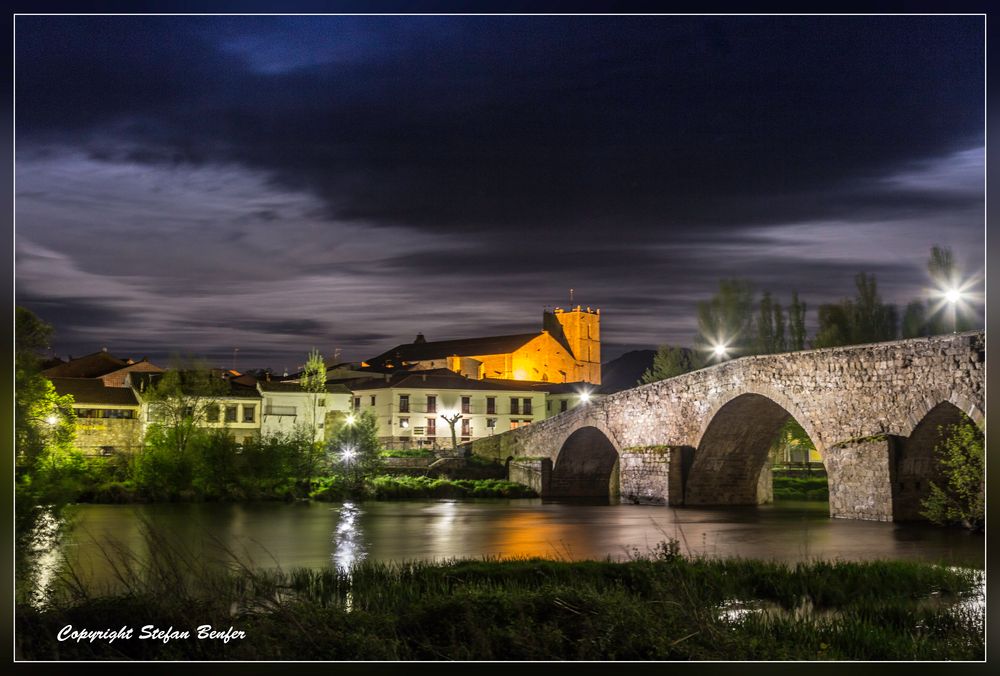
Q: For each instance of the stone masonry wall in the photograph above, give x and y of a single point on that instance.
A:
(836, 394)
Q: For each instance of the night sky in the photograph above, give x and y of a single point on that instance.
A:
(196, 184)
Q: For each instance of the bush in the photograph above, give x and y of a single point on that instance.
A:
(960, 499)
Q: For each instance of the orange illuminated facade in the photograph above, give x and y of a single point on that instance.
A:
(566, 350)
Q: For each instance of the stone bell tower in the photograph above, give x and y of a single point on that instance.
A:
(580, 330)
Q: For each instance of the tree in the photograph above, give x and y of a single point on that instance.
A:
(863, 319)
(451, 420)
(668, 362)
(313, 380)
(727, 318)
(44, 422)
(797, 323)
(780, 342)
(182, 399)
(357, 449)
(960, 498)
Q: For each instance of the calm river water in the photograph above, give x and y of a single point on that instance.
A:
(319, 535)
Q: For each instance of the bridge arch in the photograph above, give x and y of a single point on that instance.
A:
(586, 465)
(914, 460)
(731, 454)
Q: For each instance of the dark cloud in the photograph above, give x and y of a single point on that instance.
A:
(461, 172)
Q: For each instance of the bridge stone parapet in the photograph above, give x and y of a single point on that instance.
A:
(859, 404)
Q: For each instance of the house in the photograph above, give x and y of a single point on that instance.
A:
(409, 406)
(107, 418)
(566, 350)
(286, 405)
(232, 402)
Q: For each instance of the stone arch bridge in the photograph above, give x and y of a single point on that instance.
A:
(702, 438)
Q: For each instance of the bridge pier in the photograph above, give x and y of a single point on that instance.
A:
(860, 478)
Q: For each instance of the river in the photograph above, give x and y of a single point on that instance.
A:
(318, 535)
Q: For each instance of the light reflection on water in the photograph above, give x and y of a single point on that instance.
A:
(348, 542)
(320, 535)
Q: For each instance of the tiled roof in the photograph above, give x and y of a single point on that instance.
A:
(466, 347)
(443, 379)
(117, 378)
(276, 386)
(143, 381)
(90, 366)
(93, 391)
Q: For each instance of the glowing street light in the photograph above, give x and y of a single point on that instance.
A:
(350, 419)
(719, 351)
(347, 453)
(584, 397)
(953, 295)
(52, 420)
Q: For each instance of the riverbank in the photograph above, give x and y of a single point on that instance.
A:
(324, 489)
(657, 606)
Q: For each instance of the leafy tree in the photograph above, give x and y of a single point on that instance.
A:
(961, 497)
(792, 439)
(770, 326)
(797, 323)
(182, 399)
(669, 361)
(915, 321)
(313, 380)
(727, 317)
(780, 341)
(357, 450)
(863, 319)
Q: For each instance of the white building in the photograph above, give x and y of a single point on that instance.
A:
(286, 405)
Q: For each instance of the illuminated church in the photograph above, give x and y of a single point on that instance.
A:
(566, 350)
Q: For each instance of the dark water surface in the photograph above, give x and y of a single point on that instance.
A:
(318, 535)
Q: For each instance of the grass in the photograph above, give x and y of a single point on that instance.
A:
(410, 487)
(659, 606)
(799, 487)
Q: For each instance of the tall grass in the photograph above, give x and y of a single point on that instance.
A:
(656, 606)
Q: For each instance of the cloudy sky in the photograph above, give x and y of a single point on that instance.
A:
(198, 184)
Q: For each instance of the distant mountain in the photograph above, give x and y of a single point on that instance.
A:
(624, 373)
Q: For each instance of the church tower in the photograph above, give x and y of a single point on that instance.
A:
(580, 330)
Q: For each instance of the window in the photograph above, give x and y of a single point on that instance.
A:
(357, 403)
(404, 423)
(465, 427)
(212, 413)
(230, 414)
(491, 423)
(466, 404)
(248, 412)
(107, 450)
(527, 406)
(104, 413)
(431, 427)
(432, 403)
(514, 424)
(491, 405)
(322, 402)
(515, 405)
(188, 411)
(404, 403)
(562, 406)
(371, 400)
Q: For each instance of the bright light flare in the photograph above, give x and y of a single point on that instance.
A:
(52, 420)
(347, 453)
(719, 350)
(584, 397)
(953, 296)
(350, 419)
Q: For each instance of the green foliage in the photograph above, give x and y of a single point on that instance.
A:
(355, 451)
(182, 399)
(813, 488)
(797, 323)
(792, 440)
(660, 606)
(863, 319)
(313, 380)
(408, 487)
(727, 317)
(668, 362)
(408, 453)
(960, 499)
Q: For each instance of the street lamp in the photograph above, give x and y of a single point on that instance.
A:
(584, 396)
(350, 419)
(52, 420)
(347, 453)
